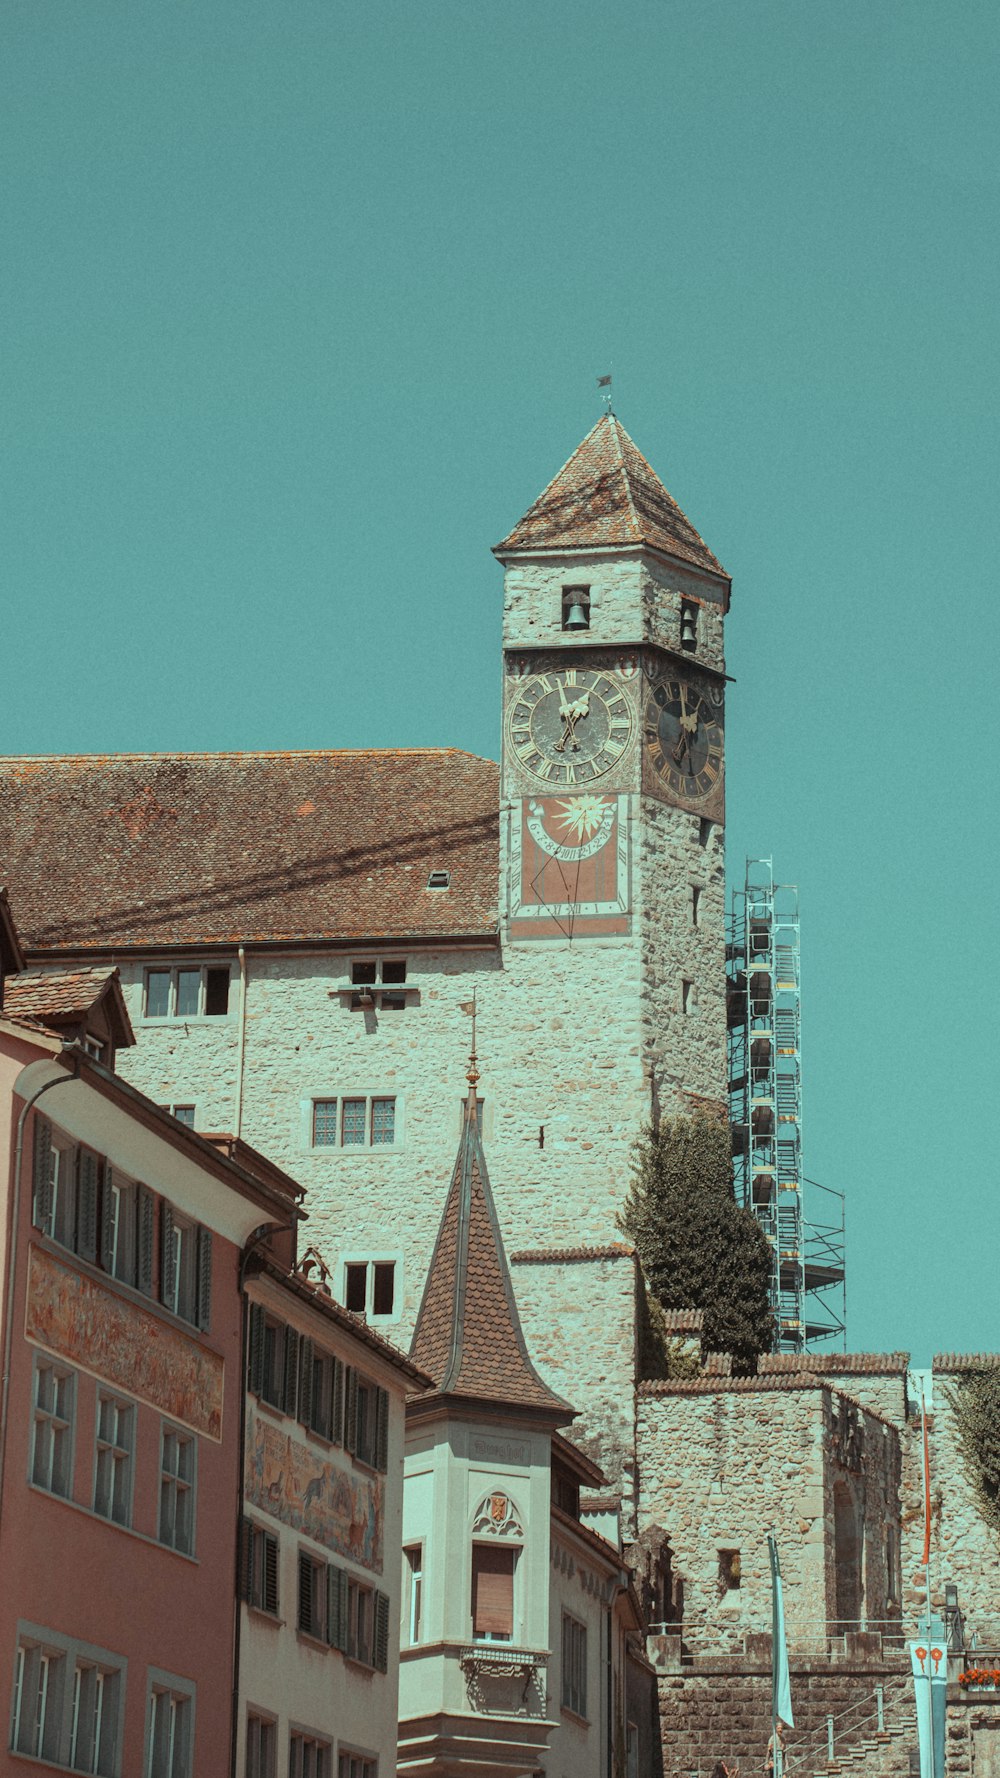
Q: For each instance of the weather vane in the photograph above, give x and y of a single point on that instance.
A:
(605, 384)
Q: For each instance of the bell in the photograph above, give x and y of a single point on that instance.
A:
(577, 616)
(689, 627)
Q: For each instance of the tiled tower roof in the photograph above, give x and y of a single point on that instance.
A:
(607, 495)
(468, 1333)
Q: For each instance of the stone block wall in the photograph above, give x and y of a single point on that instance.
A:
(685, 1053)
(634, 598)
(972, 1746)
(964, 1548)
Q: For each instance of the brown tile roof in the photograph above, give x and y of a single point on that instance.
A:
(468, 1333)
(837, 1364)
(707, 1385)
(11, 954)
(966, 1361)
(538, 1256)
(718, 1364)
(683, 1320)
(605, 496)
(62, 996)
(166, 849)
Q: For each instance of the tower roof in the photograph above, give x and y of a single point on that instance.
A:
(607, 495)
(468, 1333)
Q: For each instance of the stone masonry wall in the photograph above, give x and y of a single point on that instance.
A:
(964, 1549)
(634, 598)
(685, 1052)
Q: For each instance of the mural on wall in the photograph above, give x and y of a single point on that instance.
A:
(570, 870)
(79, 1319)
(288, 1479)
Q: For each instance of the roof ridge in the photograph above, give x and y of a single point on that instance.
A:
(619, 433)
(228, 753)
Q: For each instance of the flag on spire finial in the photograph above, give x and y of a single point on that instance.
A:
(605, 384)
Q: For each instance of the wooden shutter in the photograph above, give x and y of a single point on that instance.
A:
(244, 1559)
(144, 1213)
(381, 1429)
(289, 1381)
(307, 1602)
(336, 1607)
(166, 1254)
(380, 1645)
(305, 1380)
(86, 1205)
(492, 1590)
(269, 1594)
(337, 1403)
(204, 1278)
(255, 1350)
(42, 1214)
(351, 1410)
(105, 1203)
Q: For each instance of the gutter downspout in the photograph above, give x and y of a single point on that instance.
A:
(238, 1113)
(12, 1251)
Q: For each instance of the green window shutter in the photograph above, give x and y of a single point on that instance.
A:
(381, 1429)
(166, 1253)
(380, 1647)
(307, 1603)
(305, 1381)
(144, 1206)
(86, 1204)
(351, 1413)
(270, 1576)
(337, 1403)
(105, 1219)
(42, 1212)
(244, 1559)
(336, 1607)
(289, 1389)
(255, 1350)
(204, 1278)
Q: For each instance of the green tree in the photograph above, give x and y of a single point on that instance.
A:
(697, 1247)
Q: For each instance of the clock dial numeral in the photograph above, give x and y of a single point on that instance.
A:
(683, 736)
(569, 725)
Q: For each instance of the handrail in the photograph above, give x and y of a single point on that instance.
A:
(825, 1739)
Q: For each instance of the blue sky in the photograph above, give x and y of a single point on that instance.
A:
(302, 306)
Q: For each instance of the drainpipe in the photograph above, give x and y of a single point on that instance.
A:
(12, 1249)
(610, 1621)
(238, 1114)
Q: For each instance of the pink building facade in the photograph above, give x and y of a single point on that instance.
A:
(122, 1399)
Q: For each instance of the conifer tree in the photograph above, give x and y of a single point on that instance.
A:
(697, 1247)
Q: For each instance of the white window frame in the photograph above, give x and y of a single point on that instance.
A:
(371, 1260)
(180, 1695)
(57, 1426)
(516, 1616)
(174, 1482)
(119, 1457)
(55, 1705)
(573, 1666)
(379, 990)
(172, 1016)
(122, 1190)
(339, 1096)
(413, 1592)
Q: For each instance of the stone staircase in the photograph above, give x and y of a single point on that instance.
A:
(883, 1753)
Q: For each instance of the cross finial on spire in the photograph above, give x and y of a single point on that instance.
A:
(472, 1072)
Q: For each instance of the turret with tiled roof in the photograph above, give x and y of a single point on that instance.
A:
(468, 1333)
(608, 496)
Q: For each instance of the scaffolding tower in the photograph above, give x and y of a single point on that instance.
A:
(763, 966)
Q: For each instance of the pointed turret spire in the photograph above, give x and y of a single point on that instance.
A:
(468, 1333)
(608, 496)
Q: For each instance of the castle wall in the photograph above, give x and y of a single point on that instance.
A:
(685, 1051)
(964, 1550)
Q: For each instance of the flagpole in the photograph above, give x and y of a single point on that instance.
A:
(927, 1569)
(772, 1550)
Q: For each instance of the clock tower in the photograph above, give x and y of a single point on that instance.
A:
(612, 792)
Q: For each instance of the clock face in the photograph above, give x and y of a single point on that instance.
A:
(569, 725)
(682, 725)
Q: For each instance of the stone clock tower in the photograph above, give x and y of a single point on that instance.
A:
(612, 800)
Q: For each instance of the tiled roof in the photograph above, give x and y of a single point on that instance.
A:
(468, 1333)
(538, 1256)
(718, 1364)
(103, 852)
(60, 996)
(683, 1320)
(966, 1361)
(11, 955)
(837, 1364)
(608, 496)
(706, 1385)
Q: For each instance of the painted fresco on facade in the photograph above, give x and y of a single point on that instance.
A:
(570, 866)
(79, 1319)
(297, 1485)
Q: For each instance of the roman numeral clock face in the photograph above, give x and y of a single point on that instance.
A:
(683, 737)
(570, 725)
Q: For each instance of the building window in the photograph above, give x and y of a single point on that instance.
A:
(66, 1190)
(177, 1489)
(687, 997)
(413, 1592)
(439, 879)
(576, 608)
(695, 903)
(355, 1765)
(360, 1624)
(361, 1121)
(52, 1428)
(170, 1729)
(378, 983)
(370, 1286)
(186, 993)
(314, 1588)
(366, 1424)
(185, 1267)
(704, 830)
(321, 1392)
(115, 1447)
(729, 1571)
(119, 1226)
(493, 1591)
(689, 625)
(259, 1567)
(262, 1746)
(67, 1703)
(308, 1756)
(185, 1114)
(574, 1665)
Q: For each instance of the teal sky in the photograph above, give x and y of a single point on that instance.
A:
(304, 303)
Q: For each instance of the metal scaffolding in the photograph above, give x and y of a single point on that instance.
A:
(763, 966)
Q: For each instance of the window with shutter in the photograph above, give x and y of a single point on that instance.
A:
(381, 1650)
(312, 1595)
(337, 1605)
(493, 1591)
(168, 1256)
(255, 1350)
(86, 1214)
(244, 1558)
(382, 1430)
(306, 1367)
(337, 1413)
(145, 1217)
(290, 1378)
(42, 1162)
(351, 1410)
(204, 1280)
